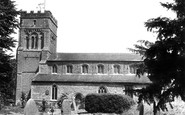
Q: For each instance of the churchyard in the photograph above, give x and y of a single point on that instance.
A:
(70, 107)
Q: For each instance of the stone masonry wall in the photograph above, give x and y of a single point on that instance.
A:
(39, 91)
(77, 67)
(28, 58)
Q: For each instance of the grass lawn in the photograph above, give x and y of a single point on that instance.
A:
(11, 109)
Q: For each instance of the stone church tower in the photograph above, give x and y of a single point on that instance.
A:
(37, 40)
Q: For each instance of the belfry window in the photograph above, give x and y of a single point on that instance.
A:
(34, 41)
(34, 22)
(54, 69)
(85, 69)
(54, 92)
(116, 69)
(102, 89)
(100, 69)
(42, 42)
(27, 42)
(69, 68)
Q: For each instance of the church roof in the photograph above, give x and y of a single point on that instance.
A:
(95, 57)
(127, 78)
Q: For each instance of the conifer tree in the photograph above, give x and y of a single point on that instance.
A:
(164, 60)
(8, 24)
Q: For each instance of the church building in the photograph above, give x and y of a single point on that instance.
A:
(46, 74)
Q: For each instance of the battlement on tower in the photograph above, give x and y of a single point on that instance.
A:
(39, 14)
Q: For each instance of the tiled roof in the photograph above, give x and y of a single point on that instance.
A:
(92, 78)
(95, 57)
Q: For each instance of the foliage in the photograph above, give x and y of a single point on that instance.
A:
(80, 101)
(107, 103)
(8, 23)
(23, 99)
(44, 105)
(28, 95)
(164, 60)
(61, 99)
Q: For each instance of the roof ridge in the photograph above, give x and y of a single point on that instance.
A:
(95, 57)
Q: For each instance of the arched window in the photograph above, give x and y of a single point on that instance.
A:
(69, 69)
(85, 69)
(100, 69)
(54, 92)
(27, 42)
(132, 70)
(36, 42)
(102, 89)
(42, 42)
(32, 42)
(116, 69)
(34, 22)
(54, 69)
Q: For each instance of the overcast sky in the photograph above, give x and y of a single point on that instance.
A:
(100, 26)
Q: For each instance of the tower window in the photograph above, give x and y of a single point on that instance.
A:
(85, 69)
(100, 69)
(34, 22)
(54, 92)
(116, 69)
(54, 69)
(69, 68)
(32, 43)
(27, 42)
(36, 42)
(42, 42)
(102, 89)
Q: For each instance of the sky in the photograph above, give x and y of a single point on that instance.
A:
(99, 26)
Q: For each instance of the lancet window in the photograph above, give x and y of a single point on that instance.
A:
(34, 40)
(116, 69)
(85, 69)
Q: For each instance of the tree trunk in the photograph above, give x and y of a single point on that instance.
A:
(155, 108)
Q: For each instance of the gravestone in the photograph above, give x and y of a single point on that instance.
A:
(31, 108)
(66, 107)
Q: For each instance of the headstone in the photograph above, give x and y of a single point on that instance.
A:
(66, 107)
(31, 108)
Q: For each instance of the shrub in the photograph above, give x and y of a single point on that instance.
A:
(23, 99)
(61, 99)
(107, 103)
(44, 106)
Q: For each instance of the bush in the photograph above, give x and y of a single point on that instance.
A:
(61, 99)
(23, 99)
(44, 106)
(108, 103)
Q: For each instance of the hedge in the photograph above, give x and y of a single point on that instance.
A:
(107, 103)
